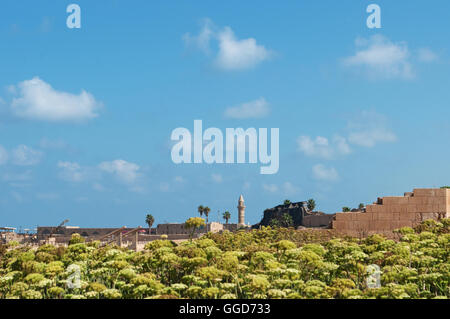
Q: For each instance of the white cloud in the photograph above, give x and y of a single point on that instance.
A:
(370, 137)
(24, 155)
(202, 40)
(3, 155)
(368, 129)
(233, 53)
(321, 172)
(237, 54)
(125, 171)
(378, 57)
(321, 147)
(37, 100)
(426, 55)
(71, 172)
(271, 188)
(254, 109)
(217, 178)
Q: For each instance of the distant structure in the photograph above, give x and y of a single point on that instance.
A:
(241, 211)
(389, 213)
(300, 214)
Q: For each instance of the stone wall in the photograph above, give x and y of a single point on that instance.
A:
(317, 220)
(393, 212)
(45, 231)
(177, 231)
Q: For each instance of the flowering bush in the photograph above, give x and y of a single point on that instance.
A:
(265, 263)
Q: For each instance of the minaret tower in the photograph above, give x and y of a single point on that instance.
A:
(241, 211)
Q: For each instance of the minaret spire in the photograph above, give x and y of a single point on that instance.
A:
(241, 211)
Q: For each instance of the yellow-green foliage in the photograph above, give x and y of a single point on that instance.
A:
(266, 263)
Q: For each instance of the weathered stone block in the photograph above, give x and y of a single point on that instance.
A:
(425, 192)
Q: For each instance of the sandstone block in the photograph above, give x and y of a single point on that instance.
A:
(425, 191)
(399, 200)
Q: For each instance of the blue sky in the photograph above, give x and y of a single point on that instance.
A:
(86, 114)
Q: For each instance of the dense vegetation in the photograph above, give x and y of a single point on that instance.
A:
(267, 263)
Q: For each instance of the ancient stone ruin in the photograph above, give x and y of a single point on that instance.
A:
(300, 214)
(393, 212)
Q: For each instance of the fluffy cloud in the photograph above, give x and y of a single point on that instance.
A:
(368, 138)
(379, 57)
(125, 171)
(23, 155)
(202, 40)
(71, 172)
(237, 54)
(253, 109)
(321, 172)
(368, 129)
(426, 55)
(321, 147)
(37, 100)
(233, 53)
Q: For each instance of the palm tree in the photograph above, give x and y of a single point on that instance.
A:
(206, 211)
(226, 216)
(311, 203)
(200, 209)
(149, 220)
